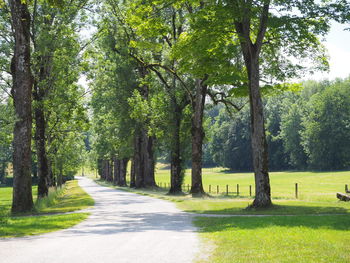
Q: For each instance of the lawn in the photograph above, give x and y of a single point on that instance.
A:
(70, 198)
(313, 228)
(277, 239)
(312, 186)
(317, 192)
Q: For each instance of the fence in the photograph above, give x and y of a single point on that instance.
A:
(227, 190)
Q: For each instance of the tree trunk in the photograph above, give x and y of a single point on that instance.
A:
(109, 171)
(258, 140)
(251, 53)
(132, 174)
(3, 171)
(116, 171)
(148, 160)
(343, 197)
(138, 162)
(176, 171)
(122, 171)
(144, 160)
(52, 176)
(60, 176)
(104, 170)
(43, 169)
(21, 91)
(100, 168)
(197, 139)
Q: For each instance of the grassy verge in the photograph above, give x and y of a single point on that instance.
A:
(34, 225)
(277, 239)
(70, 198)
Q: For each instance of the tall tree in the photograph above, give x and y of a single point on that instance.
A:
(268, 40)
(21, 92)
(53, 29)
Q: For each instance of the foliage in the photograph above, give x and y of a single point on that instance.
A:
(307, 129)
(326, 135)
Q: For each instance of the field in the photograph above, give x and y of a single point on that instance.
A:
(44, 218)
(312, 186)
(313, 228)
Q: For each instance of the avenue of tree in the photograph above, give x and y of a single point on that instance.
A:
(188, 81)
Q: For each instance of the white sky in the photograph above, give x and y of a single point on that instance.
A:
(338, 46)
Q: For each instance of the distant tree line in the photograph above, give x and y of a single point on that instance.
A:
(309, 129)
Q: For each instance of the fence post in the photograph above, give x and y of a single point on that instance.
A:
(210, 188)
(217, 189)
(237, 189)
(250, 190)
(296, 190)
(227, 189)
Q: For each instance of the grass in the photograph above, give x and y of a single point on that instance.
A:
(277, 239)
(316, 193)
(70, 198)
(34, 225)
(313, 186)
(306, 236)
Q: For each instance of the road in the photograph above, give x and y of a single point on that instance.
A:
(122, 227)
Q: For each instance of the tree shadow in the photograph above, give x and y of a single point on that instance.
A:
(215, 224)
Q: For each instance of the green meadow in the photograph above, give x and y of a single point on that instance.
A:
(48, 214)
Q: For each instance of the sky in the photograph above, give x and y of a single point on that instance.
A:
(338, 46)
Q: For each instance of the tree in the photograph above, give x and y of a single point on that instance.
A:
(266, 38)
(53, 30)
(291, 130)
(21, 92)
(326, 134)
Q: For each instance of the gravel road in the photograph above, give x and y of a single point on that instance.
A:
(122, 227)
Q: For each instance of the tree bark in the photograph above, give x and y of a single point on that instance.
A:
(122, 171)
(148, 160)
(116, 171)
(21, 92)
(343, 197)
(258, 140)
(43, 168)
(138, 161)
(132, 174)
(144, 160)
(176, 171)
(109, 171)
(100, 168)
(60, 176)
(197, 139)
(104, 174)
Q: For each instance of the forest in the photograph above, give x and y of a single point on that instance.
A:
(191, 83)
(306, 130)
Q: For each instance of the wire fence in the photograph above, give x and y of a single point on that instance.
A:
(232, 190)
